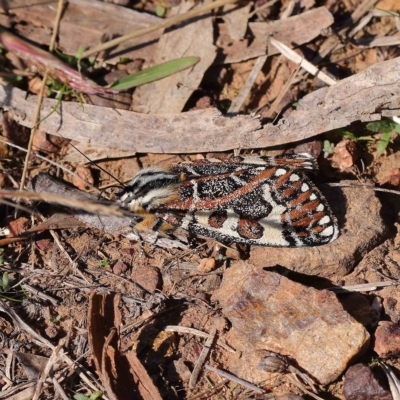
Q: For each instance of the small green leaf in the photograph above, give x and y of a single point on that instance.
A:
(384, 126)
(348, 135)
(160, 11)
(78, 54)
(383, 142)
(79, 396)
(104, 262)
(95, 395)
(56, 319)
(397, 128)
(5, 284)
(154, 73)
(328, 147)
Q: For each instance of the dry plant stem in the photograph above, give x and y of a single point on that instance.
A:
(54, 358)
(301, 386)
(282, 92)
(33, 130)
(40, 97)
(244, 92)
(263, 7)
(363, 287)
(308, 66)
(59, 389)
(196, 332)
(162, 25)
(234, 378)
(208, 392)
(375, 189)
(394, 383)
(56, 25)
(25, 327)
(68, 202)
(68, 171)
(202, 358)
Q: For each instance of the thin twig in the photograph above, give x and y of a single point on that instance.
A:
(308, 66)
(302, 387)
(356, 186)
(282, 92)
(245, 90)
(202, 358)
(235, 379)
(163, 24)
(364, 287)
(394, 383)
(24, 326)
(33, 131)
(208, 392)
(54, 358)
(56, 25)
(68, 171)
(196, 332)
(40, 98)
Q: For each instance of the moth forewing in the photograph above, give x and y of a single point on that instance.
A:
(267, 201)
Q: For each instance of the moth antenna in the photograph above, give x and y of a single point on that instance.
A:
(93, 163)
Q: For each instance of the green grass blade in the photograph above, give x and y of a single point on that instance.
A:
(154, 73)
(384, 142)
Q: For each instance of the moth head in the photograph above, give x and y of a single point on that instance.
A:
(149, 188)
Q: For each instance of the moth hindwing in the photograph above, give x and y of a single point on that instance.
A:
(266, 201)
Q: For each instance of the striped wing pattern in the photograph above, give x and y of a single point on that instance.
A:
(267, 201)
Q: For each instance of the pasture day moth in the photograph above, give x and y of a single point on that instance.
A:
(265, 201)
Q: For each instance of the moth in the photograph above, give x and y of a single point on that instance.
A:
(265, 201)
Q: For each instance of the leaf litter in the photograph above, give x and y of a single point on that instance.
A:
(151, 286)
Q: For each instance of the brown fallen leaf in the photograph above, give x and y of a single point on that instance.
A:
(292, 31)
(344, 155)
(122, 375)
(392, 177)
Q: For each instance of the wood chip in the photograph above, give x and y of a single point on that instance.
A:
(292, 31)
(201, 130)
(169, 95)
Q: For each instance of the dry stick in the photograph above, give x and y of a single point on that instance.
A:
(394, 383)
(244, 92)
(301, 386)
(40, 97)
(33, 131)
(235, 379)
(164, 24)
(202, 358)
(363, 287)
(208, 392)
(24, 326)
(308, 66)
(283, 91)
(106, 209)
(375, 189)
(68, 171)
(332, 42)
(54, 358)
(196, 332)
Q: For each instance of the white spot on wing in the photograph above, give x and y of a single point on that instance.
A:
(280, 172)
(294, 178)
(313, 196)
(304, 187)
(324, 220)
(327, 231)
(320, 207)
